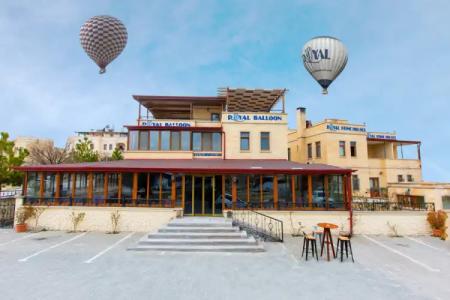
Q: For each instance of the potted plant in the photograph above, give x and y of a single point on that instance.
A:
(22, 215)
(437, 222)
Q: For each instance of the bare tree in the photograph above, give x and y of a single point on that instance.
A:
(47, 154)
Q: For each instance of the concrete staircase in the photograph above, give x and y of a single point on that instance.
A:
(199, 234)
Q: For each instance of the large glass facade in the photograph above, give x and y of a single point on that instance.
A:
(133, 140)
(143, 140)
(185, 140)
(254, 191)
(154, 140)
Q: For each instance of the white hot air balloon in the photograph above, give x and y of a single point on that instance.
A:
(324, 57)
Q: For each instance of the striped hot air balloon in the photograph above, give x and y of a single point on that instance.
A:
(324, 57)
(103, 38)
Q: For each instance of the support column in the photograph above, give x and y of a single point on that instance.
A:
(310, 191)
(275, 192)
(183, 191)
(90, 187)
(41, 186)
(74, 179)
(135, 188)
(233, 191)
(25, 184)
(58, 187)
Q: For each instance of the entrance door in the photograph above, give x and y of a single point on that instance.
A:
(374, 187)
(202, 197)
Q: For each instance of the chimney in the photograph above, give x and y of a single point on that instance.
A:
(301, 120)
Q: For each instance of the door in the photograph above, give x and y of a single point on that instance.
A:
(202, 195)
(374, 187)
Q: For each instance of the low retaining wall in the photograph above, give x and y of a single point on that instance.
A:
(406, 222)
(138, 219)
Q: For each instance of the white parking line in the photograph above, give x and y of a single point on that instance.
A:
(403, 255)
(18, 239)
(427, 245)
(51, 247)
(109, 248)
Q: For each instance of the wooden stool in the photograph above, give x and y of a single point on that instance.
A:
(307, 240)
(344, 241)
(319, 234)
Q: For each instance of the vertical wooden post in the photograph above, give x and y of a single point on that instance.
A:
(310, 191)
(183, 191)
(105, 187)
(233, 191)
(135, 188)
(294, 204)
(74, 184)
(119, 192)
(41, 186)
(275, 191)
(327, 191)
(174, 190)
(90, 187)
(25, 184)
(58, 187)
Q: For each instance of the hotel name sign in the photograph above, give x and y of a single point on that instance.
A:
(167, 123)
(348, 128)
(254, 118)
(381, 136)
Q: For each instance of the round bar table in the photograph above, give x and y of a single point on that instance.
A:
(327, 239)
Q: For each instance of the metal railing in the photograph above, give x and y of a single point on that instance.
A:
(380, 205)
(7, 207)
(259, 225)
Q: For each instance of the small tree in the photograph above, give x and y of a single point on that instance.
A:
(76, 220)
(84, 151)
(47, 154)
(115, 218)
(117, 154)
(10, 158)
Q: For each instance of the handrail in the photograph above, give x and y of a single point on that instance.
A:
(259, 225)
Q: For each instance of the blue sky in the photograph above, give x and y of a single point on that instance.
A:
(396, 78)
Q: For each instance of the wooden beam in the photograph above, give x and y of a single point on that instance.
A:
(90, 187)
(58, 187)
(310, 191)
(275, 191)
(233, 192)
(135, 188)
(74, 179)
(41, 186)
(25, 184)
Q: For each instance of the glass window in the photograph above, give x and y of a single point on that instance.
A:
(178, 190)
(215, 117)
(217, 141)
(353, 149)
(446, 202)
(255, 191)
(154, 140)
(154, 188)
(309, 151)
(206, 141)
(113, 186)
(241, 185)
(127, 186)
(318, 190)
(66, 185)
(245, 140)
(143, 140)
(110, 146)
(265, 141)
(197, 141)
(104, 146)
(284, 191)
(410, 178)
(133, 139)
(355, 182)
(166, 190)
(301, 191)
(185, 140)
(98, 187)
(342, 148)
(142, 188)
(318, 150)
(267, 190)
(49, 185)
(400, 178)
(336, 191)
(81, 185)
(165, 140)
(175, 140)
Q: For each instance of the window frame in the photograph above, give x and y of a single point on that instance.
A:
(353, 149)
(241, 138)
(318, 149)
(342, 146)
(309, 150)
(261, 138)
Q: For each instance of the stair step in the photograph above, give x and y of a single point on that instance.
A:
(200, 248)
(198, 235)
(198, 229)
(237, 242)
(197, 224)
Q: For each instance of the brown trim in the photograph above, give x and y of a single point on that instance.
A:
(74, 184)
(393, 141)
(58, 187)
(275, 191)
(90, 187)
(233, 191)
(25, 184)
(174, 190)
(170, 128)
(293, 191)
(41, 186)
(135, 188)
(310, 191)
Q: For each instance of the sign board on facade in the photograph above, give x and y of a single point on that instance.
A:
(253, 117)
(166, 123)
(381, 136)
(348, 128)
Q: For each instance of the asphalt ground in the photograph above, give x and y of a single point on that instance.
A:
(93, 265)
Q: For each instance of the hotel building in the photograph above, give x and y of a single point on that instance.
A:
(202, 156)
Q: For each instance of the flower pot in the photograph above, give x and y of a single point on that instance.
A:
(437, 232)
(21, 227)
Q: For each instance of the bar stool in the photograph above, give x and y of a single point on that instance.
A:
(307, 240)
(344, 241)
(318, 233)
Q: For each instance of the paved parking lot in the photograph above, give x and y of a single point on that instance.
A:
(60, 265)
